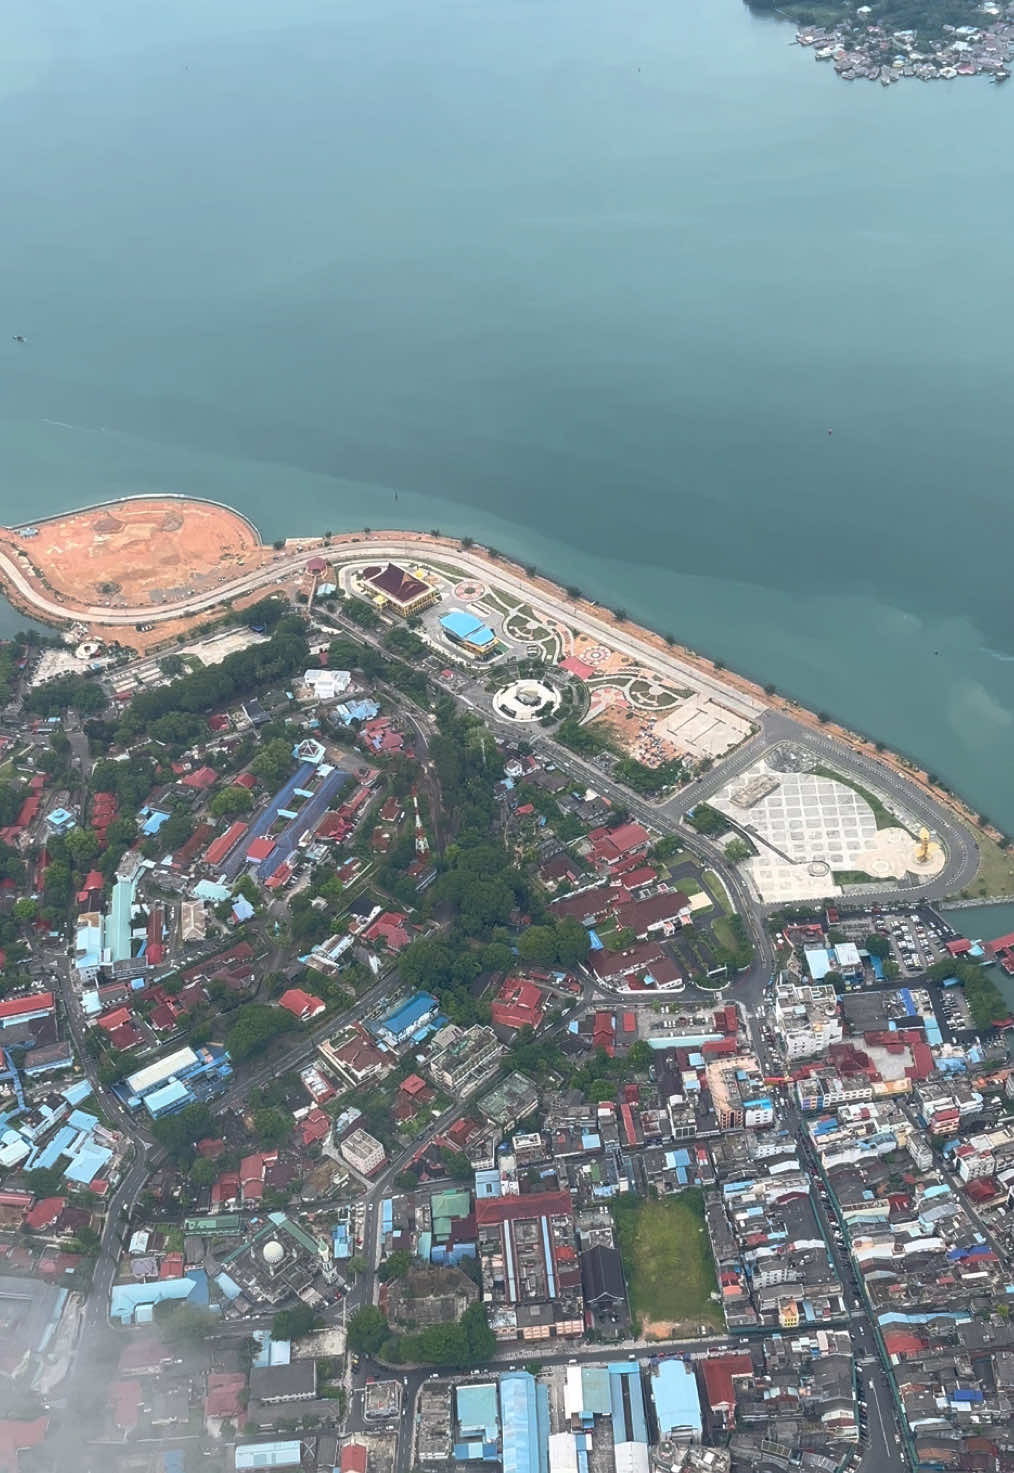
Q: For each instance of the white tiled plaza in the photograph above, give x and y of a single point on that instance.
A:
(807, 828)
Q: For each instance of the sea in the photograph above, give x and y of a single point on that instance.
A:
(639, 293)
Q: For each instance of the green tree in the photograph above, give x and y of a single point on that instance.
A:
(203, 1172)
(272, 1127)
(737, 849)
(367, 1330)
(274, 762)
(877, 945)
(707, 820)
(230, 802)
(255, 1027)
(640, 1056)
(292, 1324)
(395, 1266)
(43, 1181)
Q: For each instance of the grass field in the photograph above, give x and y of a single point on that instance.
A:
(667, 1259)
(996, 870)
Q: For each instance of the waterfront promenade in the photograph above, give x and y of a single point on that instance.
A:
(29, 587)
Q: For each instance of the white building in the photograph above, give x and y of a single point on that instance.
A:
(327, 685)
(362, 1152)
(807, 1018)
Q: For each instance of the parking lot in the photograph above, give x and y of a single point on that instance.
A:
(917, 937)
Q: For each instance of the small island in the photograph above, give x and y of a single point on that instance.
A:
(932, 40)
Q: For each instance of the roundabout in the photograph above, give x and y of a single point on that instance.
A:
(526, 700)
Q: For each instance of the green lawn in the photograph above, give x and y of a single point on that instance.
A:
(996, 869)
(667, 1259)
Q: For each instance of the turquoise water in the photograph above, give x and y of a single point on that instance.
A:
(982, 922)
(592, 282)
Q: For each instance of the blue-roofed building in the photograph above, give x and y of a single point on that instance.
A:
(126, 1300)
(271, 1352)
(469, 633)
(626, 1399)
(524, 1418)
(676, 1401)
(251, 1456)
(477, 1412)
(400, 1025)
(87, 1164)
(154, 822)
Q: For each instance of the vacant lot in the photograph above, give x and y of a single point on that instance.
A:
(668, 1263)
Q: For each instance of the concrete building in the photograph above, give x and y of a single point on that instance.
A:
(463, 1058)
(808, 1019)
(296, 1381)
(363, 1152)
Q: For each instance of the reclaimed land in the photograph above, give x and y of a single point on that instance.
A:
(49, 574)
(668, 1263)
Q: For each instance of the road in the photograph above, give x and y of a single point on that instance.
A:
(775, 724)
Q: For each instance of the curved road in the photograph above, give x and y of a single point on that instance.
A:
(962, 856)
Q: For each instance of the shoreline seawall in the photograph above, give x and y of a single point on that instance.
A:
(297, 550)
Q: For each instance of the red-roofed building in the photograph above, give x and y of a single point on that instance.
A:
(127, 1036)
(958, 947)
(604, 1032)
(45, 1214)
(125, 1404)
(201, 780)
(390, 930)
(279, 877)
(491, 1211)
(251, 1174)
(359, 1058)
(109, 1022)
(260, 849)
(225, 1394)
(224, 844)
(302, 1005)
(610, 846)
(171, 1266)
(89, 897)
(17, 1437)
(353, 1458)
(901, 1343)
(314, 1127)
(1002, 951)
(185, 856)
(398, 588)
(518, 1004)
(211, 1147)
(720, 1374)
(225, 1191)
(245, 780)
(14, 1010)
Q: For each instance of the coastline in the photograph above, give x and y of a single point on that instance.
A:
(275, 568)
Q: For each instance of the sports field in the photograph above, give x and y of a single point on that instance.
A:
(667, 1260)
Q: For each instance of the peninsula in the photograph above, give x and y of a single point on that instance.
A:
(144, 572)
(412, 971)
